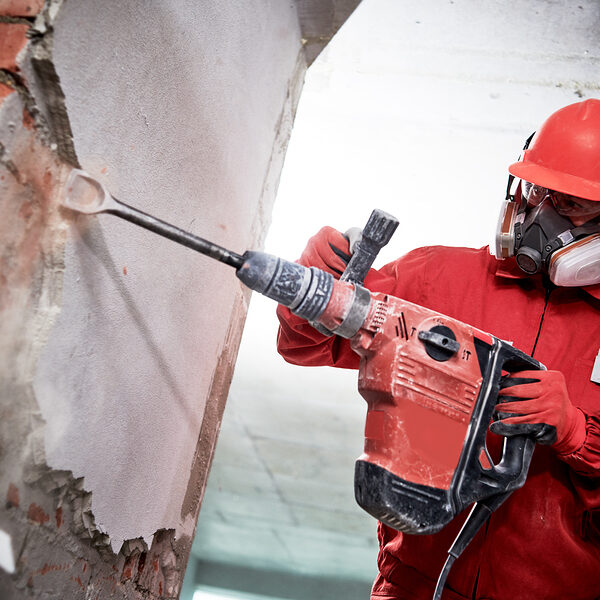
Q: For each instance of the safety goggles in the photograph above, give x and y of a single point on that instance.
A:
(564, 204)
(533, 193)
(572, 206)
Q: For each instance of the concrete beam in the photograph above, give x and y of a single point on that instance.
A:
(319, 22)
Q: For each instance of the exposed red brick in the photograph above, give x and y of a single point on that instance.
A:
(59, 517)
(36, 514)
(12, 496)
(13, 38)
(51, 568)
(20, 8)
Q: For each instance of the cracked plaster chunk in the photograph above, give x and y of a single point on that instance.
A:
(5, 93)
(11, 114)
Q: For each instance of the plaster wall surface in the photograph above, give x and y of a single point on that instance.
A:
(182, 109)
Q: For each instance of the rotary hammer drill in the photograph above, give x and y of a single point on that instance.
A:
(431, 382)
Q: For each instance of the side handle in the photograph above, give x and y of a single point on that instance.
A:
(376, 234)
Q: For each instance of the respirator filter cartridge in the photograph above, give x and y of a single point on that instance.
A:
(577, 264)
(505, 230)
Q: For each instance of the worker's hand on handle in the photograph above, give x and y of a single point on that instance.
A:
(540, 406)
(327, 250)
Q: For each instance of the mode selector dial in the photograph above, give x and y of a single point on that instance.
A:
(440, 342)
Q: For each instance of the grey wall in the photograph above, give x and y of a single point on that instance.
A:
(182, 109)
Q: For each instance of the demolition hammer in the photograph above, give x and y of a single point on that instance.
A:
(431, 382)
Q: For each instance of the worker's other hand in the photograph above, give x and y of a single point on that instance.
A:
(327, 250)
(537, 403)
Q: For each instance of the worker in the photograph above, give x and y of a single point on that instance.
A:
(544, 541)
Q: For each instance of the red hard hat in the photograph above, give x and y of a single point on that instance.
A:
(565, 152)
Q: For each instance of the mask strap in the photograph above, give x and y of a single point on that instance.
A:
(585, 229)
(568, 236)
(510, 197)
(527, 142)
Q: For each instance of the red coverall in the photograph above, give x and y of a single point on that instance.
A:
(544, 541)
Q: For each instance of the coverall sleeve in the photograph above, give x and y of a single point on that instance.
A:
(585, 473)
(301, 344)
(585, 477)
(586, 459)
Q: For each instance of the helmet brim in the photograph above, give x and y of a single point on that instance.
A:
(555, 180)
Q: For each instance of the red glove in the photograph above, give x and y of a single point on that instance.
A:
(540, 406)
(327, 250)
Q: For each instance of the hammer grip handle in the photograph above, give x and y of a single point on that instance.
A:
(377, 233)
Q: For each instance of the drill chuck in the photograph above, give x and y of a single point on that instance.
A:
(306, 291)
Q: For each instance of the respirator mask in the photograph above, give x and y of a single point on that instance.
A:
(535, 228)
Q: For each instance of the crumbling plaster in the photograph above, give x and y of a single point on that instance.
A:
(179, 120)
